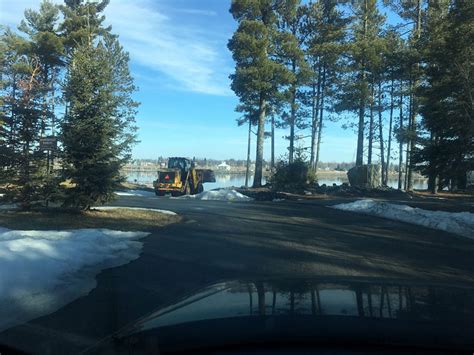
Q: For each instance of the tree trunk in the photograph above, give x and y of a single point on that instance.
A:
(433, 176)
(314, 118)
(320, 124)
(273, 142)
(407, 157)
(13, 108)
(44, 105)
(249, 139)
(390, 124)
(382, 152)
(433, 183)
(53, 119)
(400, 143)
(371, 126)
(257, 180)
(291, 154)
(291, 150)
(360, 135)
(411, 129)
(413, 110)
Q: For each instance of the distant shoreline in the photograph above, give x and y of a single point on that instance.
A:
(321, 173)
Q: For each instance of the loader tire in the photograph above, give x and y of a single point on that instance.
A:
(187, 190)
(200, 188)
(159, 193)
(176, 193)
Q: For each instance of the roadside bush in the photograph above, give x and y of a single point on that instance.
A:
(292, 176)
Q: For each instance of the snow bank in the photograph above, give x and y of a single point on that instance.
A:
(41, 271)
(106, 208)
(141, 193)
(461, 223)
(218, 195)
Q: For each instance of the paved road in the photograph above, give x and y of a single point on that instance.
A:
(246, 240)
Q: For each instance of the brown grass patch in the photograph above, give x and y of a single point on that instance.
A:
(117, 219)
(445, 194)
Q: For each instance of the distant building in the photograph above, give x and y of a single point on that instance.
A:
(223, 166)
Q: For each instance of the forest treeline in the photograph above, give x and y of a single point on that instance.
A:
(406, 88)
(65, 99)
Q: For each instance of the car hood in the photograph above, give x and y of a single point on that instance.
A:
(355, 311)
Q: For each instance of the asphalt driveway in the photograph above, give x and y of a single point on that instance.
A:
(245, 240)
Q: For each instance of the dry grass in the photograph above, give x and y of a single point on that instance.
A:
(118, 219)
(445, 194)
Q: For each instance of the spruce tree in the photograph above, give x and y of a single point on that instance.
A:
(22, 110)
(99, 127)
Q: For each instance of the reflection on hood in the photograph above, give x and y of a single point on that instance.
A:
(318, 298)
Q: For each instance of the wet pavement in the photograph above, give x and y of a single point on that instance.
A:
(219, 241)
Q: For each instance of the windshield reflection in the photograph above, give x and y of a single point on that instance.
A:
(318, 298)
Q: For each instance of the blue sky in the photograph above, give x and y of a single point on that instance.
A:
(180, 60)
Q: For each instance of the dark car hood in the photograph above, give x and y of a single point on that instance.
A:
(351, 311)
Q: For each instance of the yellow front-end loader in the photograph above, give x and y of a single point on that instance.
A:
(182, 178)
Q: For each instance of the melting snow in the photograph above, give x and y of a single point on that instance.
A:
(105, 208)
(461, 223)
(218, 195)
(9, 206)
(41, 271)
(142, 193)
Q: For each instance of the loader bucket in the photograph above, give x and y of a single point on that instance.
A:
(206, 175)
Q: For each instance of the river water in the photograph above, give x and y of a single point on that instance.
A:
(239, 180)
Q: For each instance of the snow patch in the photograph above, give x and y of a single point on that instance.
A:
(461, 223)
(8, 207)
(141, 193)
(41, 271)
(218, 195)
(107, 208)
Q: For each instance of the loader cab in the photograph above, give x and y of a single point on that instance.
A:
(182, 164)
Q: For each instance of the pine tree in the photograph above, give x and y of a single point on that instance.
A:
(413, 12)
(258, 77)
(447, 105)
(290, 40)
(393, 59)
(98, 130)
(363, 52)
(325, 31)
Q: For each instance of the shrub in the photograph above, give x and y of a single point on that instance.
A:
(292, 176)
